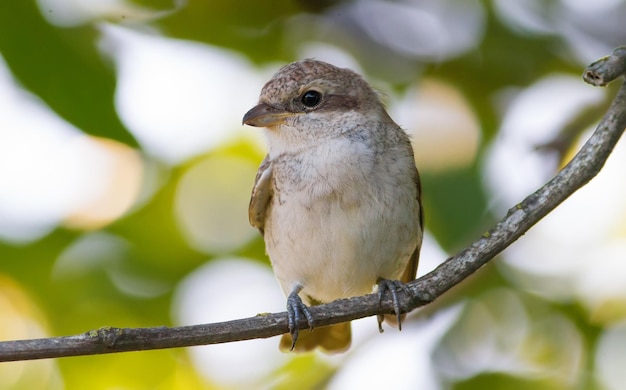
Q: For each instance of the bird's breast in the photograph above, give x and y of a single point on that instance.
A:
(337, 222)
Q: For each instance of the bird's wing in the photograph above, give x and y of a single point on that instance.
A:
(261, 195)
(411, 268)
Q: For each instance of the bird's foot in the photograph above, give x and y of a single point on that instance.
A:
(295, 309)
(393, 286)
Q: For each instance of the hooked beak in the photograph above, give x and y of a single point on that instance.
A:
(263, 115)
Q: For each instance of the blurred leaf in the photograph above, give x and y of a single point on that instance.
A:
(304, 371)
(163, 5)
(503, 60)
(250, 27)
(63, 67)
(454, 206)
(168, 369)
(498, 381)
(32, 264)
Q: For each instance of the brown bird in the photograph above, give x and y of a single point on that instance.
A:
(337, 198)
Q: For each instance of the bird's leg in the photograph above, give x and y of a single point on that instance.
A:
(393, 286)
(295, 308)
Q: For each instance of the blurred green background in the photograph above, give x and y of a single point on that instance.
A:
(125, 176)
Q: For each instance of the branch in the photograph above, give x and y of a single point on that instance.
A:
(583, 167)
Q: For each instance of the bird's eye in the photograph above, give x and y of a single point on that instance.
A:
(311, 98)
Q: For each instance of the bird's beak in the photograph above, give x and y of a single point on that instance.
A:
(263, 115)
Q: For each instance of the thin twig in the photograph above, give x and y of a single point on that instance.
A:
(583, 167)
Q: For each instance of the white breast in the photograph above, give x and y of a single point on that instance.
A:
(341, 218)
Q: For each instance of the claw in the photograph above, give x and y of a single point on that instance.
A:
(295, 308)
(393, 286)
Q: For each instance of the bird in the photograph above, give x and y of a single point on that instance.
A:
(337, 198)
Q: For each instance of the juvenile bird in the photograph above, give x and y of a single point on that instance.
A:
(337, 198)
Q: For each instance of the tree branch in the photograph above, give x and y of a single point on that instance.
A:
(583, 167)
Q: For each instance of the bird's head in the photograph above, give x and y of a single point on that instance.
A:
(309, 100)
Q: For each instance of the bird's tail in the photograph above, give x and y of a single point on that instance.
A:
(331, 339)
